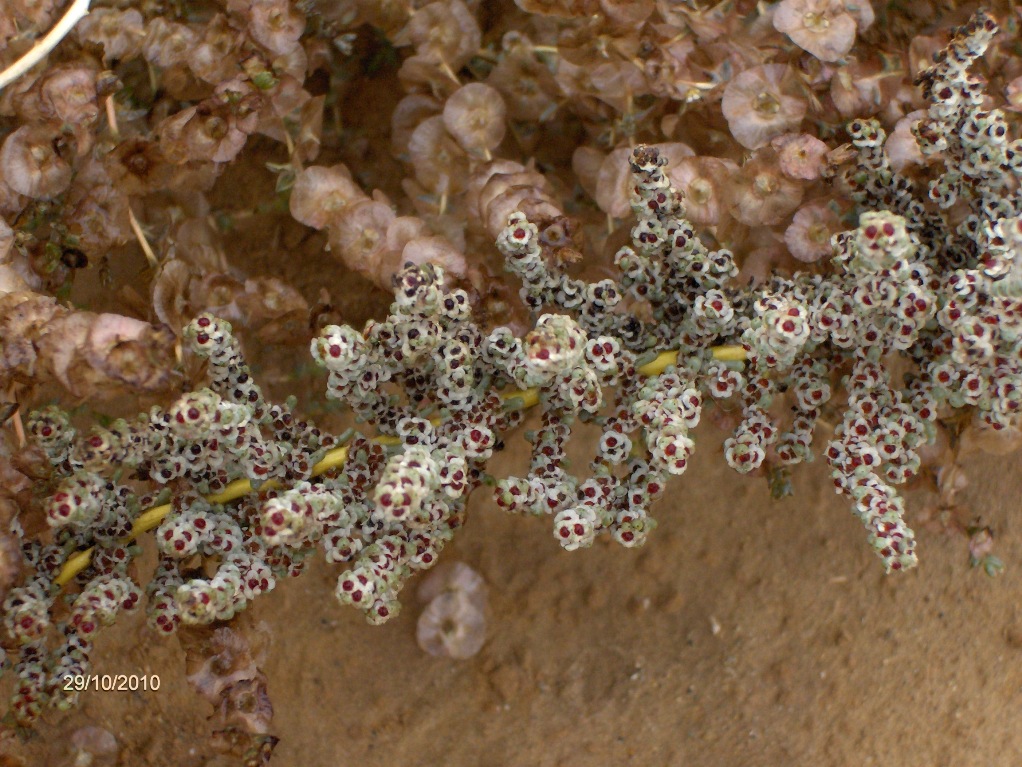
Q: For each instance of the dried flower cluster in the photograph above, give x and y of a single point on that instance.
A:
(775, 275)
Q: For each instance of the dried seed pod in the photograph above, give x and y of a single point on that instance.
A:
(99, 219)
(614, 182)
(860, 88)
(30, 164)
(629, 13)
(119, 32)
(207, 132)
(502, 187)
(6, 241)
(403, 230)
(585, 164)
(615, 83)
(808, 235)
(475, 115)
(216, 659)
(39, 13)
(171, 289)
(453, 624)
(822, 27)
(760, 194)
(69, 95)
(319, 195)
(443, 33)
(11, 281)
(518, 198)
(91, 742)
(8, 28)
(434, 250)
(139, 166)
(409, 113)
(215, 57)
(276, 25)
(562, 8)
(167, 43)
(359, 237)
(11, 561)
(440, 164)
(481, 177)
(759, 104)
(90, 354)
(801, 156)
(529, 90)
(901, 147)
(703, 182)
(223, 668)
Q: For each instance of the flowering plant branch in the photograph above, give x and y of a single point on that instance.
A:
(335, 458)
(910, 284)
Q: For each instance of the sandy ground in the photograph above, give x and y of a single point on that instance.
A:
(746, 632)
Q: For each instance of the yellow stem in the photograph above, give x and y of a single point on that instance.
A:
(335, 458)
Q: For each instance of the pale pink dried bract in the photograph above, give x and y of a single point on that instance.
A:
(440, 163)
(37, 12)
(30, 165)
(758, 104)
(761, 194)
(703, 181)
(1013, 92)
(627, 12)
(93, 741)
(901, 146)
(168, 43)
(434, 250)
(409, 112)
(10, 280)
(8, 28)
(801, 156)
(216, 129)
(808, 235)
(524, 81)
(6, 240)
(358, 236)
(119, 32)
(69, 96)
(475, 115)
(613, 183)
(403, 230)
(276, 24)
(443, 33)
(319, 195)
(822, 27)
(453, 624)
(214, 59)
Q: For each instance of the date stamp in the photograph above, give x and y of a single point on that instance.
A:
(111, 682)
